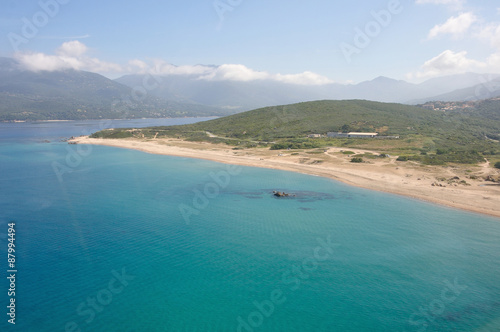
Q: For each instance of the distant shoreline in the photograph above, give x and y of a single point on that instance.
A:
(177, 117)
(33, 121)
(387, 175)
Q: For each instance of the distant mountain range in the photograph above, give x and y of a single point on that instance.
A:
(486, 90)
(70, 94)
(73, 95)
(240, 96)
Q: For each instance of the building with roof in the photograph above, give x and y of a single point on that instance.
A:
(352, 135)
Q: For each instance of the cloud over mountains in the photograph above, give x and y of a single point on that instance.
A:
(74, 55)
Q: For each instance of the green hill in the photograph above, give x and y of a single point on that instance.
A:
(429, 136)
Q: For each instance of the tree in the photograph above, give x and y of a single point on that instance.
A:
(346, 128)
(497, 165)
(440, 151)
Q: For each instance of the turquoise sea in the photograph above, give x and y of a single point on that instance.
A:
(110, 239)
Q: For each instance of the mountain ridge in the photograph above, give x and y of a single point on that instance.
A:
(243, 96)
(71, 94)
(79, 95)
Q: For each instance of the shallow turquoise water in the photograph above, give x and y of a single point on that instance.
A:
(105, 247)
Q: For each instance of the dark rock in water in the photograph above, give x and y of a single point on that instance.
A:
(305, 196)
(282, 194)
(65, 139)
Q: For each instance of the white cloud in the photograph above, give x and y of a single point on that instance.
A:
(160, 67)
(448, 63)
(72, 55)
(493, 62)
(233, 72)
(491, 35)
(306, 78)
(455, 26)
(226, 72)
(72, 48)
(138, 66)
(99, 66)
(40, 61)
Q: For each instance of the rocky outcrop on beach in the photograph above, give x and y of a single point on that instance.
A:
(493, 178)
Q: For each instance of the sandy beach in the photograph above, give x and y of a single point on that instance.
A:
(458, 186)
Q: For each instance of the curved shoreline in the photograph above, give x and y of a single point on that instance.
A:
(386, 175)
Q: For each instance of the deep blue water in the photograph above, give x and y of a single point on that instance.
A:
(111, 239)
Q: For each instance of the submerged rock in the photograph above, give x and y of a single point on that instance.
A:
(282, 194)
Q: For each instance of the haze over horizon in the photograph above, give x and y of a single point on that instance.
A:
(304, 43)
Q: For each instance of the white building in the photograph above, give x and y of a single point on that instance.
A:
(362, 135)
(352, 135)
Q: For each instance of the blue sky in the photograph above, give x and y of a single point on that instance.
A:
(313, 42)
